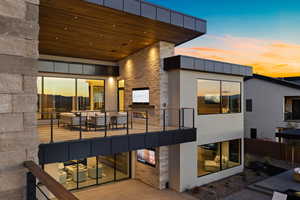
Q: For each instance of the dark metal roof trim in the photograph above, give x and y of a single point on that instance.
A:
(274, 80)
(205, 65)
(155, 12)
(77, 68)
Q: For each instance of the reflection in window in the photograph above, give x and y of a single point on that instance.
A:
(218, 156)
(231, 97)
(208, 97)
(208, 159)
(90, 94)
(122, 166)
(59, 94)
(231, 154)
(121, 95)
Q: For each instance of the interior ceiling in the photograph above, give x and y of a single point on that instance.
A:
(84, 30)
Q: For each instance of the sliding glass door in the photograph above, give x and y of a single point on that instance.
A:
(69, 95)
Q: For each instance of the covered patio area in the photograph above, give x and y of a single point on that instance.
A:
(129, 190)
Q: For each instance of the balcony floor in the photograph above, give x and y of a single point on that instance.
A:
(66, 133)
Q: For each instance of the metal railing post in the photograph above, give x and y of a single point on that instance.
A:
(179, 119)
(80, 128)
(147, 121)
(31, 187)
(131, 118)
(51, 128)
(183, 117)
(127, 123)
(105, 122)
(193, 117)
(164, 120)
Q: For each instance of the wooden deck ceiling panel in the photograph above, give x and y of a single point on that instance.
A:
(86, 30)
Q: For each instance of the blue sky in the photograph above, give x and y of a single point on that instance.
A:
(272, 25)
(265, 19)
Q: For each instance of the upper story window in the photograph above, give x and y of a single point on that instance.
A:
(218, 97)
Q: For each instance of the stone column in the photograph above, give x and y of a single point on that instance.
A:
(18, 69)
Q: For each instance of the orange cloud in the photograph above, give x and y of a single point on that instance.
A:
(271, 58)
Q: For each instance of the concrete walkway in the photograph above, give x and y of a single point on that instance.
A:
(129, 190)
(248, 195)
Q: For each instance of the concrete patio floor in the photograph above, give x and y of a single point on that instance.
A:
(129, 190)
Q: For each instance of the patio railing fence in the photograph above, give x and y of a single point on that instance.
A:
(60, 126)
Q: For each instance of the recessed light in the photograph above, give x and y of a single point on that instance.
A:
(114, 26)
(56, 38)
(66, 28)
(75, 17)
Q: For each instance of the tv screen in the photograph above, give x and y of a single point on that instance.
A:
(146, 156)
(140, 96)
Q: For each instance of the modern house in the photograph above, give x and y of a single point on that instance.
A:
(271, 104)
(93, 93)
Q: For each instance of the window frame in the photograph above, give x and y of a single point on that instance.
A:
(220, 105)
(221, 168)
(76, 87)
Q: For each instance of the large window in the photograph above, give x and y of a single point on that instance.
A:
(75, 174)
(69, 95)
(216, 97)
(218, 156)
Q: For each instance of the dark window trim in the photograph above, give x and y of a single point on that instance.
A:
(220, 143)
(220, 111)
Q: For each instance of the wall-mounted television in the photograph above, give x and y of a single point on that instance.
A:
(146, 156)
(140, 96)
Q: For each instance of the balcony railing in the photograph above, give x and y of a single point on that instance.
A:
(64, 126)
(39, 182)
(289, 116)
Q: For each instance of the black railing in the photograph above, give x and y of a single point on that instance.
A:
(290, 116)
(89, 124)
(37, 178)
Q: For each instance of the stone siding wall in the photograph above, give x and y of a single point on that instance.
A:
(145, 69)
(18, 68)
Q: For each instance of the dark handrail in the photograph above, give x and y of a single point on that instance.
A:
(51, 184)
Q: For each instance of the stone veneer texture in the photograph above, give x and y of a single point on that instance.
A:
(18, 69)
(145, 69)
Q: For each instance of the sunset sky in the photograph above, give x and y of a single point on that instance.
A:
(264, 34)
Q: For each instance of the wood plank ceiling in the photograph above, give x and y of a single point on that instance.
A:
(85, 30)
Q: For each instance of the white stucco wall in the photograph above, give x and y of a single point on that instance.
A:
(267, 107)
(210, 129)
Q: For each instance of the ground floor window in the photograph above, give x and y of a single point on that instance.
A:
(218, 156)
(76, 174)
